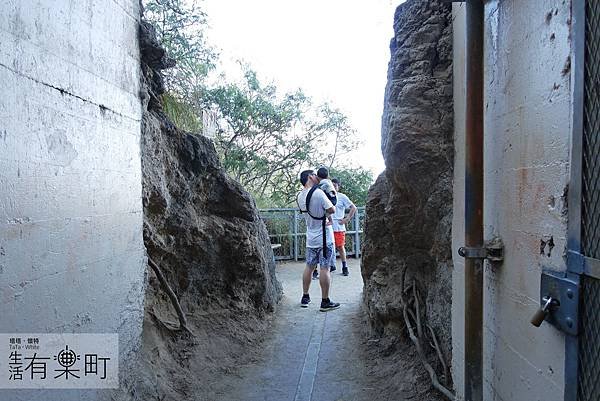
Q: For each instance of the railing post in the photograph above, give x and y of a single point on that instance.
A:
(290, 245)
(295, 235)
(357, 234)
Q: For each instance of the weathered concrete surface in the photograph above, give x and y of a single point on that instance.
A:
(409, 207)
(71, 247)
(527, 145)
(204, 231)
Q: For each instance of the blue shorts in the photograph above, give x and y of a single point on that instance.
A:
(314, 256)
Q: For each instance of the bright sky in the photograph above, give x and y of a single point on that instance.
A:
(335, 50)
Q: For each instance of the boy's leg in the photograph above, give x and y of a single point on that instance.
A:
(340, 242)
(342, 251)
(332, 259)
(336, 238)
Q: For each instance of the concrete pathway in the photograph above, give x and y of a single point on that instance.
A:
(309, 355)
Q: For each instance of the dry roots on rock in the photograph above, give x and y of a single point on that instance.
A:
(412, 319)
(163, 281)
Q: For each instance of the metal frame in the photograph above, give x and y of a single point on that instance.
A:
(577, 81)
(564, 292)
(474, 201)
(574, 265)
(581, 264)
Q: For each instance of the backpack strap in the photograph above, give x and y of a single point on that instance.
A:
(323, 218)
(307, 203)
(308, 198)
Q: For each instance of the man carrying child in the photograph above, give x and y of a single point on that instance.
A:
(315, 210)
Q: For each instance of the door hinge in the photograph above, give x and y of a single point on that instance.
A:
(492, 251)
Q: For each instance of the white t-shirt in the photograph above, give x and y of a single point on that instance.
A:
(327, 186)
(343, 203)
(314, 228)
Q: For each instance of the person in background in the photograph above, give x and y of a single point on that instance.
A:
(340, 219)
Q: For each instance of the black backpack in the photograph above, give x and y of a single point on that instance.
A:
(323, 218)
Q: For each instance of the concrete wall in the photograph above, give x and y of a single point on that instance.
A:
(527, 144)
(71, 250)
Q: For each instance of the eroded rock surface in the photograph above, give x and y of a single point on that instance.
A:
(204, 231)
(409, 209)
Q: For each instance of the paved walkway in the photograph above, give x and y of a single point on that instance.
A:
(309, 355)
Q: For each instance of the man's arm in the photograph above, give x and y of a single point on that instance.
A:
(350, 214)
(346, 202)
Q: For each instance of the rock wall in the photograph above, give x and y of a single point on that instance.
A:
(409, 208)
(203, 230)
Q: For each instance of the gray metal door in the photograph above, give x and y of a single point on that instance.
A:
(583, 352)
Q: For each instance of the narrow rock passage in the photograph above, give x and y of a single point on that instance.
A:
(309, 355)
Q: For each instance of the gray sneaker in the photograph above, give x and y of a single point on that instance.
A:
(328, 305)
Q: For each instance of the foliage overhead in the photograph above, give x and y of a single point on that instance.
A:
(181, 29)
(181, 114)
(264, 139)
(355, 182)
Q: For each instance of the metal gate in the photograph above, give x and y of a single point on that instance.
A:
(287, 229)
(583, 260)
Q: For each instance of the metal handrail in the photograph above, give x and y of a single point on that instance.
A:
(295, 234)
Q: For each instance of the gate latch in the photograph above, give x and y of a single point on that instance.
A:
(559, 302)
(492, 251)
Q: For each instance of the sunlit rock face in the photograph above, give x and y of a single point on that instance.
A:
(200, 225)
(409, 210)
(204, 232)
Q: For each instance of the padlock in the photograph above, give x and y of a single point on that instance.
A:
(541, 313)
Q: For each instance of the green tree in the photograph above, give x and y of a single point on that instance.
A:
(339, 137)
(181, 114)
(355, 182)
(181, 28)
(265, 140)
